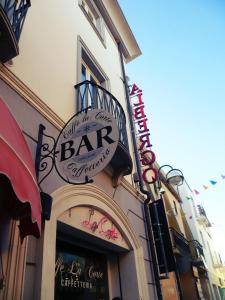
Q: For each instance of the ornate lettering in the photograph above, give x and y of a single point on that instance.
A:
(99, 226)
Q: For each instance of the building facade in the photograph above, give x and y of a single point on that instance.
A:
(180, 274)
(92, 242)
(209, 258)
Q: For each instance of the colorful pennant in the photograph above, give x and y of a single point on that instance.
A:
(213, 182)
(196, 192)
(206, 187)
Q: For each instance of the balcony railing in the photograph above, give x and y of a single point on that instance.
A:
(91, 94)
(196, 249)
(182, 250)
(179, 242)
(202, 217)
(16, 11)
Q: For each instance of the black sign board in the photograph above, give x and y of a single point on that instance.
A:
(80, 274)
(157, 207)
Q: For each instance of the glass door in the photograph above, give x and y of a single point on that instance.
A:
(80, 274)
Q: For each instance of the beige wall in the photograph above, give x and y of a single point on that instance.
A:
(49, 60)
(48, 53)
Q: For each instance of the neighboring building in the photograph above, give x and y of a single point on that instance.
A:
(200, 227)
(182, 251)
(95, 245)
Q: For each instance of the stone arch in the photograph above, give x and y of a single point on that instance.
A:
(68, 197)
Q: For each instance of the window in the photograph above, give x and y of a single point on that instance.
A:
(210, 253)
(90, 76)
(92, 13)
(88, 91)
(175, 208)
(203, 241)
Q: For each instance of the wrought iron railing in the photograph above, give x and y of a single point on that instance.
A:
(91, 94)
(179, 241)
(196, 249)
(16, 11)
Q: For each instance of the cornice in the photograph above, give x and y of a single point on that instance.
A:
(119, 27)
(21, 89)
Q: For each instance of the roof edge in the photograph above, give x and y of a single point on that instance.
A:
(119, 27)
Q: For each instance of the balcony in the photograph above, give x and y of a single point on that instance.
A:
(182, 251)
(196, 249)
(202, 217)
(12, 17)
(218, 265)
(89, 94)
(197, 255)
(180, 244)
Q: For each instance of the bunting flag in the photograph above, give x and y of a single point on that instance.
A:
(196, 192)
(213, 182)
(205, 187)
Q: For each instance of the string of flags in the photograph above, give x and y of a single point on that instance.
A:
(205, 187)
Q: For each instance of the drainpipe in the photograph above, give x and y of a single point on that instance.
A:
(149, 195)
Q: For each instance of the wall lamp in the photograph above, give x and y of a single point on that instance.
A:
(173, 176)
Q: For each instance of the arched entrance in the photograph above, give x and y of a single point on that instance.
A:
(132, 269)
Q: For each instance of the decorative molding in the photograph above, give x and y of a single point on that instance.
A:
(20, 88)
(67, 197)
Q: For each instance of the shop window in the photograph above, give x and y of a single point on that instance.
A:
(80, 273)
(94, 17)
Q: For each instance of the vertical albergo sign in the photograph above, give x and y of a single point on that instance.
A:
(147, 156)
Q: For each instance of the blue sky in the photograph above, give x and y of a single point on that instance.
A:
(182, 75)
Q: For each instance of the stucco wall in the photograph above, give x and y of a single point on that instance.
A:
(48, 53)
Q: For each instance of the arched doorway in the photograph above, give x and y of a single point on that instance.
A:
(68, 200)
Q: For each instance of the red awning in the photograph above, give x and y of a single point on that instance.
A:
(17, 168)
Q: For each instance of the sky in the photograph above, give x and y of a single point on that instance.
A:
(182, 74)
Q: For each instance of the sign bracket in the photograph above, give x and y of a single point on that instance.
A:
(46, 154)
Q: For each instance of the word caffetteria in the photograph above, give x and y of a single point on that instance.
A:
(147, 155)
(77, 171)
